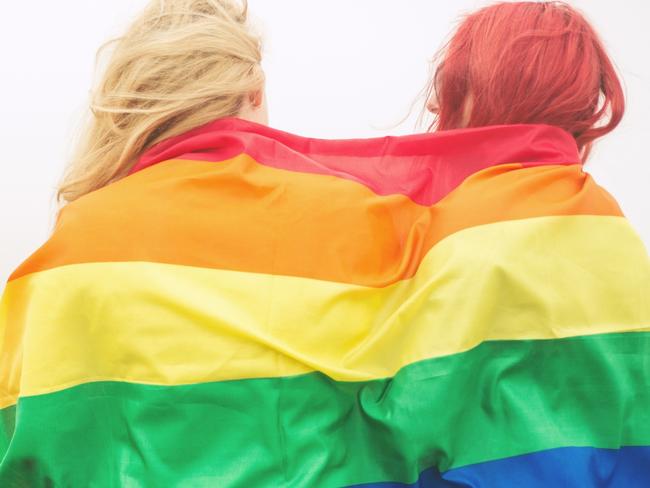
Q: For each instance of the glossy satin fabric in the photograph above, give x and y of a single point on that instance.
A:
(254, 308)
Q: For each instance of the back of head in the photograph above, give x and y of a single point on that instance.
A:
(528, 63)
(181, 64)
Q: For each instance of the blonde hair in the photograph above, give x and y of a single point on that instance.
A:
(181, 64)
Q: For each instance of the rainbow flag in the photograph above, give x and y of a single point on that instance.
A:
(253, 308)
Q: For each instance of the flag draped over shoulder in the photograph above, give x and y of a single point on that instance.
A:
(253, 308)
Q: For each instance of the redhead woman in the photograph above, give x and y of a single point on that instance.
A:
(225, 304)
(527, 63)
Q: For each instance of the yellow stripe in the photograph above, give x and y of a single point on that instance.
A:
(539, 278)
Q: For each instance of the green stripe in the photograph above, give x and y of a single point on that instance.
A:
(500, 399)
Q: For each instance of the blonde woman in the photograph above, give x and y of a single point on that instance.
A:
(181, 64)
(225, 304)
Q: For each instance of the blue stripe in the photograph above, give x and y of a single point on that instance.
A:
(627, 467)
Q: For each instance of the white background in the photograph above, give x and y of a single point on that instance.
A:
(335, 68)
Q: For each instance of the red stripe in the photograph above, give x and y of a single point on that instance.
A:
(424, 167)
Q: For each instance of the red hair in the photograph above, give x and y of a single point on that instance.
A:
(528, 63)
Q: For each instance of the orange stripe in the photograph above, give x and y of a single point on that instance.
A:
(244, 216)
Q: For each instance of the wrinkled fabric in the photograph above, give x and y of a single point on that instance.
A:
(253, 308)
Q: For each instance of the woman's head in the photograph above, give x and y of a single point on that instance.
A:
(527, 63)
(181, 64)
